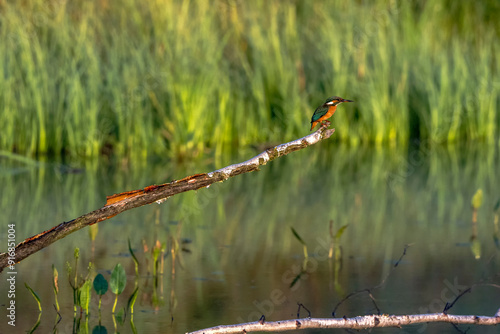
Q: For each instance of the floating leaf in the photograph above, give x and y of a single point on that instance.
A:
(100, 285)
(118, 279)
(35, 295)
(477, 199)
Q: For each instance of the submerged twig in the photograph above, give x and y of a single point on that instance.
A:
(369, 290)
(305, 308)
(449, 305)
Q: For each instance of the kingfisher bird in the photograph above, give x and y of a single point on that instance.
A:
(326, 110)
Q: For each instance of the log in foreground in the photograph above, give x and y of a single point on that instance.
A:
(363, 322)
(119, 203)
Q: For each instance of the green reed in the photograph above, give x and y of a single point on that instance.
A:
(162, 77)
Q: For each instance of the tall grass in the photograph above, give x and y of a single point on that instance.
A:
(140, 78)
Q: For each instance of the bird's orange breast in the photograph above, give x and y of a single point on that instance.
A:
(329, 114)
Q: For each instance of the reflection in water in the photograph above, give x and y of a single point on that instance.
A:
(242, 256)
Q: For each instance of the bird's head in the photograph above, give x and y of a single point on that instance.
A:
(335, 100)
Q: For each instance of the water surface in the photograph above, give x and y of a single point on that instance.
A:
(239, 256)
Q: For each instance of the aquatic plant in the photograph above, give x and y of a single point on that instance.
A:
(117, 282)
(141, 78)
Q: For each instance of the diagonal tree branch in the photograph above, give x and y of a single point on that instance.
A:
(119, 203)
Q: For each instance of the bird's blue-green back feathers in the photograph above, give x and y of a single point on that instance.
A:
(319, 112)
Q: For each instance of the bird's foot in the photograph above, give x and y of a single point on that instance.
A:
(326, 123)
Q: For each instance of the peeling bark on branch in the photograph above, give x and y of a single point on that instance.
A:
(119, 203)
(364, 322)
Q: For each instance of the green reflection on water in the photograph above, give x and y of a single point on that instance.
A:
(241, 254)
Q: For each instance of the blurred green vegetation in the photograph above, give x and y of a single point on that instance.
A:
(140, 78)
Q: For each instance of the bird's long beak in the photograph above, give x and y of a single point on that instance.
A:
(343, 100)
